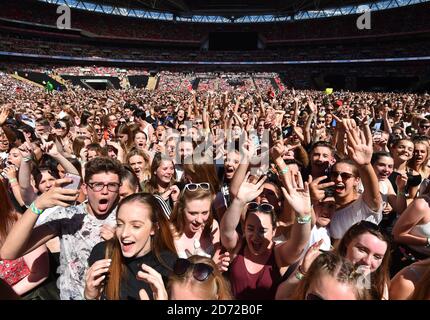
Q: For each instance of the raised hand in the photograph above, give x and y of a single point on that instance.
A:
(94, 279)
(401, 181)
(155, 281)
(50, 148)
(360, 144)
(249, 191)
(222, 261)
(3, 115)
(312, 253)
(312, 105)
(297, 194)
(57, 196)
(277, 150)
(175, 192)
(10, 172)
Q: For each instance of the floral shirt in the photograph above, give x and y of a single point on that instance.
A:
(13, 271)
(79, 232)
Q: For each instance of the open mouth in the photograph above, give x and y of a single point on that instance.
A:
(256, 246)
(103, 205)
(127, 245)
(338, 188)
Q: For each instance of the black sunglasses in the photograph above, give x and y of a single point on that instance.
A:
(343, 175)
(313, 296)
(201, 271)
(263, 207)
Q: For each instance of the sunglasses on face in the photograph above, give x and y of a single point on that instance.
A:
(343, 175)
(182, 129)
(201, 271)
(194, 186)
(425, 126)
(263, 207)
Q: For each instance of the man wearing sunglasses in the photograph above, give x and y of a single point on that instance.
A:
(78, 226)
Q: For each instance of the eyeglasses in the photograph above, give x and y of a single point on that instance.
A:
(263, 207)
(313, 296)
(425, 126)
(194, 186)
(99, 186)
(343, 175)
(201, 271)
(199, 122)
(182, 129)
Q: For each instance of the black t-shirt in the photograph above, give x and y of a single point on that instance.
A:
(413, 180)
(130, 286)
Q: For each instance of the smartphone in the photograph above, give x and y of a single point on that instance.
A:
(76, 180)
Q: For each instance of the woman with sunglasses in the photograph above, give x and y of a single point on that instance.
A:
(363, 245)
(194, 229)
(257, 264)
(139, 241)
(346, 175)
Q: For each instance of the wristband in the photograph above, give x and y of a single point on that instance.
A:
(284, 171)
(304, 220)
(400, 193)
(35, 210)
(12, 180)
(299, 275)
(27, 159)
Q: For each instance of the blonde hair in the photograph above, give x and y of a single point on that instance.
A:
(216, 287)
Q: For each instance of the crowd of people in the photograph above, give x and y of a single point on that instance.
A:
(183, 194)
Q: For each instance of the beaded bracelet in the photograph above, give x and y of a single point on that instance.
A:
(35, 210)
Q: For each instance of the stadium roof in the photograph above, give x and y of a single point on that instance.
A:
(232, 10)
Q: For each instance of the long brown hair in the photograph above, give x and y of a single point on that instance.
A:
(216, 286)
(8, 215)
(177, 218)
(160, 241)
(202, 170)
(152, 185)
(380, 277)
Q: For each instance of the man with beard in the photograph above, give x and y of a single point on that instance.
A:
(80, 227)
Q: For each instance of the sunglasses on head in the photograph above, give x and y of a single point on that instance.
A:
(343, 175)
(201, 271)
(313, 296)
(194, 186)
(263, 207)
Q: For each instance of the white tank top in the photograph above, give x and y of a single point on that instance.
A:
(421, 230)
